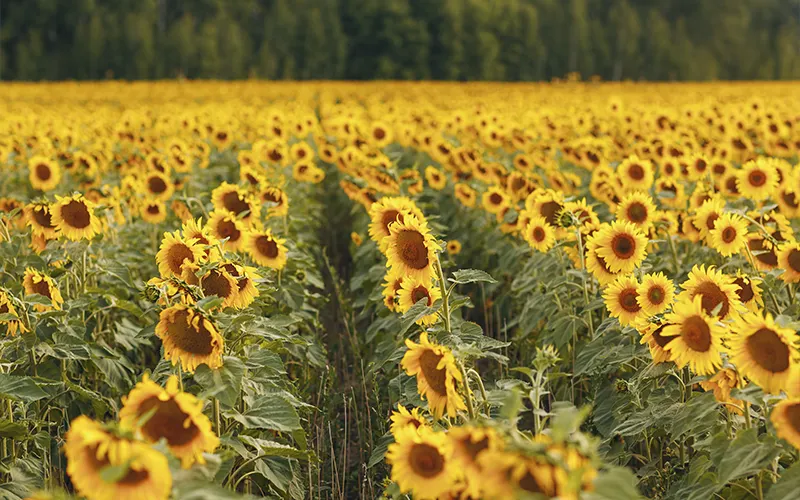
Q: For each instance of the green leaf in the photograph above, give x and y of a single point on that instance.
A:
(224, 383)
(20, 388)
(617, 483)
(208, 303)
(12, 430)
(270, 412)
(787, 486)
(41, 300)
(273, 448)
(464, 276)
(113, 473)
(204, 490)
(415, 313)
(381, 447)
(744, 456)
(8, 317)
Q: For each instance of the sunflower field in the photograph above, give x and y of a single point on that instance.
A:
(399, 290)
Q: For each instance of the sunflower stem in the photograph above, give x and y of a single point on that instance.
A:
(482, 388)
(445, 297)
(747, 421)
(470, 407)
(217, 419)
(673, 252)
(583, 276)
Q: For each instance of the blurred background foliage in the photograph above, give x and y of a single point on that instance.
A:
(515, 40)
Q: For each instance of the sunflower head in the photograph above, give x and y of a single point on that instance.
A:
(45, 174)
(74, 217)
(698, 341)
(189, 338)
(175, 251)
(437, 374)
(786, 419)
(763, 351)
(729, 235)
(403, 418)
(413, 291)
(622, 300)
(655, 294)
(622, 246)
(34, 281)
(716, 290)
(167, 412)
(422, 462)
(386, 211)
(411, 249)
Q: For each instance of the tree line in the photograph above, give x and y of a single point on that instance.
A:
(513, 40)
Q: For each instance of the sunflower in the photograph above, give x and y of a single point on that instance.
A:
(153, 211)
(698, 337)
(749, 292)
(469, 442)
(435, 177)
(194, 229)
(635, 174)
(453, 247)
(540, 235)
(245, 278)
(465, 194)
(721, 384)
(387, 210)
(356, 238)
(707, 214)
(92, 450)
(422, 463)
(763, 352)
(716, 289)
(596, 264)
(45, 174)
(583, 212)
(729, 235)
(175, 250)
(786, 419)
(74, 217)
(757, 180)
(266, 249)
(402, 418)
(789, 261)
(220, 283)
(231, 198)
(171, 414)
(638, 209)
(436, 372)
(224, 225)
(158, 186)
(6, 307)
(411, 250)
(301, 151)
(391, 287)
(622, 246)
(546, 203)
(412, 291)
(35, 282)
(40, 220)
(189, 337)
(655, 294)
(507, 475)
(763, 251)
(621, 300)
(276, 200)
(495, 200)
(652, 335)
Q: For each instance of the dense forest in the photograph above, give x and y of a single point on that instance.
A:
(400, 39)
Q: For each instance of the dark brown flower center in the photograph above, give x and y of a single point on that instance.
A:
(188, 338)
(267, 246)
(215, 283)
(637, 213)
(425, 460)
(43, 172)
(696, 334)
(711, 297)
(793, 416)
(228, 229)
(627, 300)
(549, 211)
(167, 422)
(234, 203)
(636, 172)
(156, 185)
(662, 340)
(728, 234)
(42, 217)
(655, 295)
(176, 255)
(76, 214)
(794, 260)
(757, 178)
(768, 350)
(390, 216)
(435, 377)
(412, 248)
(420, 293)
(623, 245)
(539, 234)
(745, 292)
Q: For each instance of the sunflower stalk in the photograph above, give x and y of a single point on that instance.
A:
(217, 418)
(445, 295)
(470, 406)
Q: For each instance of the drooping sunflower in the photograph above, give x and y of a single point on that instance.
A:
(638, 209)
(698, 337)
(655, 294)
(621, 298)
(387, 210)
(189, 337)
(266, 249)
(540, 235)
(45, 174)
(40, 220)
(224, 225)
(174, 251)
(651, 333)
(34, 281)
(763, 351)
(7, 307)
(716, 289)
(171, 414)
(91, 449)
(422, 463)
(403, 418)
(508, 475)
(721, 384)
(789, 261)
(469, 443)
(74, 217)
(757, 180)
(729, 235)
(437, 374)
(412, 291)
(411, 249)
(786, 419)
(622, 246)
